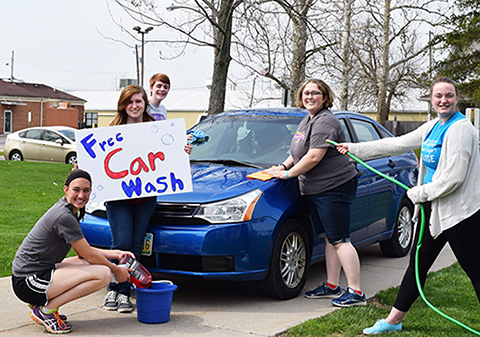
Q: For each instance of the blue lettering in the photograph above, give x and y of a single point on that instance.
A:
(87, 145)
(176, 182)
(132, 187)
(102, 145)
(149, 188)
(164, 184)
(110, 141)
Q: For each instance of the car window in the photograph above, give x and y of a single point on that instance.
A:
(365, 131)
(70, 134)
(383, 133)
(261, 140)
(32, 134)
(345, 130)
(50, 136)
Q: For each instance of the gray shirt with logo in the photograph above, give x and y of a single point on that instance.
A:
(48, 242)
(334, 169)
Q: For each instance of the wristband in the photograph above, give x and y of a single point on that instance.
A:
(284, 166)
(287, 176)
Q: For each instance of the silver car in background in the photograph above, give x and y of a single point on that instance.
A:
(50, 143)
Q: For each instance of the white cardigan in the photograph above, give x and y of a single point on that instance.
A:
(454, 190)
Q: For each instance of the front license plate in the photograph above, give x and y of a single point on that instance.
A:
(147, 244)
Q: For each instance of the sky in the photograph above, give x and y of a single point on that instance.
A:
(59, 43)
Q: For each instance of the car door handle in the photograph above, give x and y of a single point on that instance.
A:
(392, 163)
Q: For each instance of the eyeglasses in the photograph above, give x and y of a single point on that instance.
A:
(313, 93)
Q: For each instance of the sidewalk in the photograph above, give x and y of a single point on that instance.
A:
(209, 308)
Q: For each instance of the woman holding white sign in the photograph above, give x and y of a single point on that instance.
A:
(129, 218)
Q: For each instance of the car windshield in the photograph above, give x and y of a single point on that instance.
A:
(70, 134)
(255, 140)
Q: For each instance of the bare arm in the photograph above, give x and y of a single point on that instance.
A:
(100, 256)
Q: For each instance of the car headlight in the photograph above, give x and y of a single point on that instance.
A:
(231, 210)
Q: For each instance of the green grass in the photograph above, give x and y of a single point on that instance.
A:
(449, 290)
(27, 191)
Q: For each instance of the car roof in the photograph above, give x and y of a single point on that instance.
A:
(56, 128)
(282, 111)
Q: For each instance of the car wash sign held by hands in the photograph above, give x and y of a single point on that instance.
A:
(135, 160)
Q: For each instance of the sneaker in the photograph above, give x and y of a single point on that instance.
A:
(62, 317)
(124, 304)
(324, 291)
(51, 321)
(382, 326)
(111, 302)
(350, 298)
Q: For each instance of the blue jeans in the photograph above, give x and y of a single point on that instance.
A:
(128, 225)
(330, 211)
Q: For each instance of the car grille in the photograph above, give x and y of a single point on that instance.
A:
(176, 214)
(195, 263)
(176, 210)
(172, 214)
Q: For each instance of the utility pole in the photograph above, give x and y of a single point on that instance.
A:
(139, 31)
(11, 66)
(138, 64)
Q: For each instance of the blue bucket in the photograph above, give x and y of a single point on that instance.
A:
(154, 304)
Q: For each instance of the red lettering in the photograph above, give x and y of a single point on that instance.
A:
(141, 165)
(152, 157)
(110, 173)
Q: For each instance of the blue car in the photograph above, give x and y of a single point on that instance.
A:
(235, 228)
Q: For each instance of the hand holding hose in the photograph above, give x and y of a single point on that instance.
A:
(342, 148)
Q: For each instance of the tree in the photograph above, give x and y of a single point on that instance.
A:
(463, 43)
(399, 50)
(205, 23)
(279, 38)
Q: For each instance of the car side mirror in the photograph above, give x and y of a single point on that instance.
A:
(59, 141)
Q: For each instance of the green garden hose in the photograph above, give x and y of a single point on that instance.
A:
(419, 244)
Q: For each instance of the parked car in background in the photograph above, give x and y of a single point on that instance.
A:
(50, 143)
(231, 227)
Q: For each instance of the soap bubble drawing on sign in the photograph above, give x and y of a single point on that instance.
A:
(135, 160)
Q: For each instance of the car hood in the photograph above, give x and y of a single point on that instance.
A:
(216, 182)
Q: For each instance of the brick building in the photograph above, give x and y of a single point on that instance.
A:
(23, 105)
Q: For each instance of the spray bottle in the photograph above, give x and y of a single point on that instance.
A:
(139, 276)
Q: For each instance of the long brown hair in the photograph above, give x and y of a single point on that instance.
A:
(125, 99)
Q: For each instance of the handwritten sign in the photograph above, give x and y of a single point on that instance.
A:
(135, 160)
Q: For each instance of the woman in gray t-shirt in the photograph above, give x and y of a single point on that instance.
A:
(41, 275)
(329, 183)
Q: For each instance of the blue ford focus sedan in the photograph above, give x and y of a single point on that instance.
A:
(231, 227)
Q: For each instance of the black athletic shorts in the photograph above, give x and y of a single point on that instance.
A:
(33, 289)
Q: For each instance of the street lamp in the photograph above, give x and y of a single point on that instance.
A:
(139, 31)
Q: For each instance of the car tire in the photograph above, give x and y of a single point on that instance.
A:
(15, 155)
(289, 263)
(71, 159)
(401, 241)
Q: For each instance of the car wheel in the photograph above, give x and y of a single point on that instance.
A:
(71, 159)
(15, 156)
(402, 238)
(288, 268)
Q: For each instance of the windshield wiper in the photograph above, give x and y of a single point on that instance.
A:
(228, 162)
